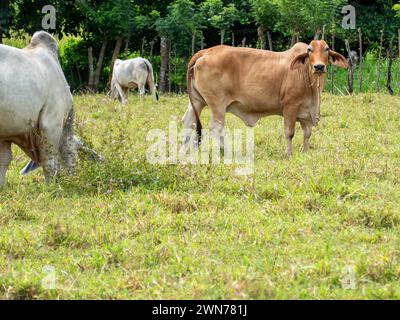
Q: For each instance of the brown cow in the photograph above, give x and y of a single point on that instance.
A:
(252, 84)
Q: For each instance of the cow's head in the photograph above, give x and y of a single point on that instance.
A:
(318, 56)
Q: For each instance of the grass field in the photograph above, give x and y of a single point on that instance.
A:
(295, 229)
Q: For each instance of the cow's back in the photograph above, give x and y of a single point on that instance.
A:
(30, 80)
(22, 91)
(250, 79)
(130, 72)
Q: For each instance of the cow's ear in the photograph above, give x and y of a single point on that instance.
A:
(338, 60)
(299, 60)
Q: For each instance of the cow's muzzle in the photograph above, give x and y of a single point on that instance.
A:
(319, 68)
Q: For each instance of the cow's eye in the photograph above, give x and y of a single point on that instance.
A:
(309, 50)
(327, 49)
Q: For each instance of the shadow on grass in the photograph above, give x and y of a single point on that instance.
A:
(109, 177)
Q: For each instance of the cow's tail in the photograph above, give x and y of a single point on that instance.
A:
(150, 78)
(191, 90)
(113, 93)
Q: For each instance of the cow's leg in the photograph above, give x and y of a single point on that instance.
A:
(217, 126)
(50, 130)
(69, 145)
(154, 92)
(189, 123)
(126, 94)
(189, 119)
(142, 91)
(122, 93)
(289, 126)
(307, 131)
(5, 160)
(113, 92)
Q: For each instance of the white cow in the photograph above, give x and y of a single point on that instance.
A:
(36, 107)
(132, 74)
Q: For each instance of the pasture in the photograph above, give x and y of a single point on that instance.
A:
(296, 229)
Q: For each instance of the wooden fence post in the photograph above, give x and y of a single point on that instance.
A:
(389, 77)
(333, 67)
(193, 42)
(378, 85)
(164, 47)
(169, 67)
(398, 32)
(352, 61)
(361, 59)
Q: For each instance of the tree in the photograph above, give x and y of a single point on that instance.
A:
(5, 19)
(179, 25)
(320, 14)
(292, 20)
(177, 29)
(266, 15)
(104, 21)
(220, 16)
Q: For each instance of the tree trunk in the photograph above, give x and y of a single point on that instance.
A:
(143, 46)
(99, 66)
(361, 59)
(175, 67)
(233, 39)
(91, 69)
(317, 34)
(79, 75)
(261, 37)
(398, 31)
(117, 50)
(169, 67)
(222, 36)
(269, 36)
(71, 72)
(378, 85)
(5, 5)
(193, 42)
(244, 42)
(390, 63)
(126, 46)
(323, 31)
(293, 40)
(333, 67)
(164, 65)
(152, 44)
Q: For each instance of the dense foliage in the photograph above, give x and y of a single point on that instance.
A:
(100, 31)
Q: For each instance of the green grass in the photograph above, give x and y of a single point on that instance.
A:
(370, 77)
(128, 229)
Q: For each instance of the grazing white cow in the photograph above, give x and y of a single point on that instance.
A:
(132, 74)
(36, 107)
